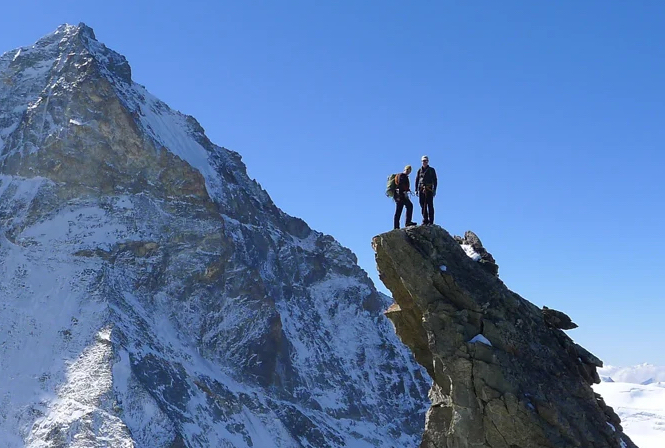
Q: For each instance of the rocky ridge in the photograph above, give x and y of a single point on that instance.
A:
(505, 374)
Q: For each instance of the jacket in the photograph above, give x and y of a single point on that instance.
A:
(426, 178)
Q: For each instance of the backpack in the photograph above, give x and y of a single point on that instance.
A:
(391, 187)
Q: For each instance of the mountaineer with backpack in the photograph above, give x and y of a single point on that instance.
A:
(398, 189)
(426, 190)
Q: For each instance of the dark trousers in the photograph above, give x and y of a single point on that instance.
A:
(401, 202)
(427, 206)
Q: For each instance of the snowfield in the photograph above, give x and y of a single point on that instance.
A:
(640, 406)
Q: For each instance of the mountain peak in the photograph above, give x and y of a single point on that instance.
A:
(161, 291)
(64, 36)
(67, 30)
(37, 78)
(86, 31)
(76, 44)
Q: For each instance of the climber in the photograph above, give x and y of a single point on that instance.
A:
(426, 190)
(401, 197)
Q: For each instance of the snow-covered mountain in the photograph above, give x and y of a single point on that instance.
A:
(153, 295)
(639, 374)
(641, 408)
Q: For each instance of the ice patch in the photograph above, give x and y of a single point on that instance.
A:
(475, 256)
(480, 338)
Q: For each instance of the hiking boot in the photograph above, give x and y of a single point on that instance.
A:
(425, 223)
(409, 224)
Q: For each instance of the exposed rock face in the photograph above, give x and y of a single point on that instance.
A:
(503, 377)
(474, 248)
(152, 295)
(558, 319)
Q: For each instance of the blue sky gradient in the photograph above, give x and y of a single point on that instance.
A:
(545, 122)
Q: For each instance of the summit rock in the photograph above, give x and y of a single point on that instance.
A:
(504, 376)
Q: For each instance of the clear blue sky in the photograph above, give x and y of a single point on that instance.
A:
(545, 122)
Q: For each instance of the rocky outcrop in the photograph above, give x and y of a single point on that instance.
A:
(474, 249)
(558, 319)
(503, 376)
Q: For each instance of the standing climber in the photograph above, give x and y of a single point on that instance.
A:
(402, 197)
(426, 190)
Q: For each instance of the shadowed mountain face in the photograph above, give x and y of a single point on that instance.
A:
(152, 295)
(505, 375)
